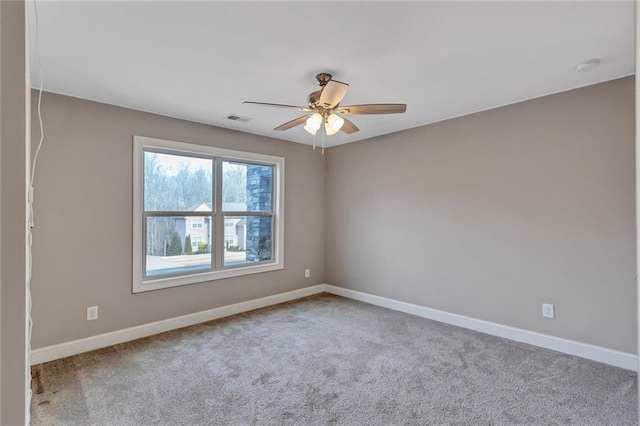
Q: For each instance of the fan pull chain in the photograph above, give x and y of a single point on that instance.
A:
(314, 141)
(324, 132)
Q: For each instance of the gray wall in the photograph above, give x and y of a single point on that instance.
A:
(492, 214)
(487, 215)
(13, 159)
(83, 214)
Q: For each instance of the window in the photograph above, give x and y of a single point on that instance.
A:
(204, 213)
(196, 241)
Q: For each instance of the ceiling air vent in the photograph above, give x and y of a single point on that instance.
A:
(238, 118)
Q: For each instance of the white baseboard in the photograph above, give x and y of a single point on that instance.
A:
(584, 350)
(50, 353)
(596, 353)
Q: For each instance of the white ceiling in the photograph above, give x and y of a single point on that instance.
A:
(200, 60)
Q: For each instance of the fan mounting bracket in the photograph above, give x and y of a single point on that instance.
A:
(323, 78)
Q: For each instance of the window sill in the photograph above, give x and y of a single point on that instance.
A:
(140, 286)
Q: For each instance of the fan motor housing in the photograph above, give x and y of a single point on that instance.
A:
(314, 99)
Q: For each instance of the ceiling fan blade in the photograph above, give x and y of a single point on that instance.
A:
(373, 109)
(349, 127)
(297, 108)
(293, 123)
(332, 93)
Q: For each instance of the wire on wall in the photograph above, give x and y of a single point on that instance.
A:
(30, 198)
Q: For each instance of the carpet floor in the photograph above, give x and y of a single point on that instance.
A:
(329, 360)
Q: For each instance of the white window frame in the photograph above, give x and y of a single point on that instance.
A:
(141, 284)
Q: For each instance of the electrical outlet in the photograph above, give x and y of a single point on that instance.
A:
(548, 310)
(307, 273)
(92, 313)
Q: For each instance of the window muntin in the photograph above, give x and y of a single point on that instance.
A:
(176, 190)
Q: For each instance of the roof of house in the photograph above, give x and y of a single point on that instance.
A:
(201, 207)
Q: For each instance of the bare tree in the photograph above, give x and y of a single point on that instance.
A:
(165, 190)
(234, 183)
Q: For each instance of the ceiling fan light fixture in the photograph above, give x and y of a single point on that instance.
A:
(314, 122)
(328, 130)
(334, 122)
(310, 130)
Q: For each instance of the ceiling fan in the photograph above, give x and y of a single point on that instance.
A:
(324, 107)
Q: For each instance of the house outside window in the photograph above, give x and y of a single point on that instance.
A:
(203, 213)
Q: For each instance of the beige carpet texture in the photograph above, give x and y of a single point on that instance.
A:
(326, 360)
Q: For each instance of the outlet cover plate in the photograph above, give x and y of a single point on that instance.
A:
(92, 313)
(548, 310)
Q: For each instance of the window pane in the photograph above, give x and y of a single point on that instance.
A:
(176, 182)
(246, 187)
(247, 239)
(174, 246)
